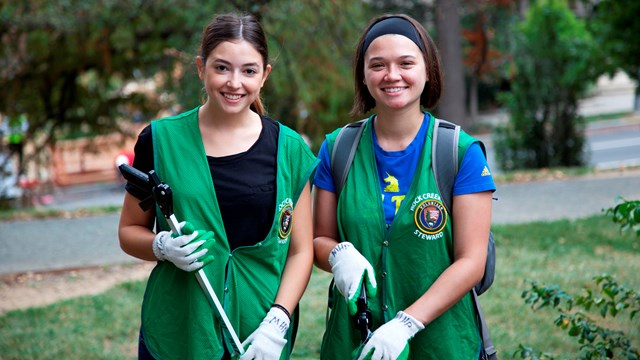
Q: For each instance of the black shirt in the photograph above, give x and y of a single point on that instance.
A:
(245, 184)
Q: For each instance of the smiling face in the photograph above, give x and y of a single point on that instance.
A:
(233, 74)
(394, 72)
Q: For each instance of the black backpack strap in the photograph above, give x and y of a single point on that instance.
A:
(444, 158)
(490, 352)
(344, 149)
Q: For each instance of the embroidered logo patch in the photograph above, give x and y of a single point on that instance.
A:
(285, 221)
(430, 217)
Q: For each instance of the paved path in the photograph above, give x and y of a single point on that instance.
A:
(53, 244)
(558, 199)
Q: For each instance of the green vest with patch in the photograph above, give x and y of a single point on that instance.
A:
(407, 258)
(177, 320)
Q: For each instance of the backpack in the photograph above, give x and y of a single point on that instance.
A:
(444, 155)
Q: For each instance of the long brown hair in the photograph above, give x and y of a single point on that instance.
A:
(229, 27)
(363, 101)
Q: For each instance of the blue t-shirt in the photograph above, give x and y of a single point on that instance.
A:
(396, 168)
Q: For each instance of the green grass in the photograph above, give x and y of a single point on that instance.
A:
(567, 253)
(609, 116)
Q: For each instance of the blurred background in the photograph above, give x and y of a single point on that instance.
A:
(550, 86)
(79, 80)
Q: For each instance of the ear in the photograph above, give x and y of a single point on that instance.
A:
(200, 63)
(267, 71)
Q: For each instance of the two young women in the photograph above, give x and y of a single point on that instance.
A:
(261, 173)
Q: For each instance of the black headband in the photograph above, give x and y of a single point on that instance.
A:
(392, 25)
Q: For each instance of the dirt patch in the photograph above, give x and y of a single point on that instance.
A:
(35, 289)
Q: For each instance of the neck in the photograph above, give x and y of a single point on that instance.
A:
(216, 119)
(396, 129)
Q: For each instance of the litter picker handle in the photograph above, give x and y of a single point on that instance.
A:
(213, 299)
(160, 193)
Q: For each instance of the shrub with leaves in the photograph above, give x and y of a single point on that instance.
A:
(575, 317)
(627, 214)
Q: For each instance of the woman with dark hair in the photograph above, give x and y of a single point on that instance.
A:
(388, 230)
(240, 177)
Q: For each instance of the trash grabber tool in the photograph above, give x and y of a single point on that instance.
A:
(160, 193)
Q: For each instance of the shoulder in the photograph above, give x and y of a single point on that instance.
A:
(175, 119)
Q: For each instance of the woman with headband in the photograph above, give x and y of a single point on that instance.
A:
(389, 229)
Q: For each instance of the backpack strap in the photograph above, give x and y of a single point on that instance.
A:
(489, 351)
(343, 151)
(444, 158)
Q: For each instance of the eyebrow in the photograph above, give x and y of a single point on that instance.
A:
(403, 57)
(225, 62)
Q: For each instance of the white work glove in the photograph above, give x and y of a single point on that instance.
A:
(349, 268)
(391, 340)
(268, 340)
(187, 251)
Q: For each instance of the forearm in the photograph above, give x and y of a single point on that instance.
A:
(456, 281)
(136, 241)
(134, 229)
(322, 248)
(325, 227)
(295, 279)
(297, 270)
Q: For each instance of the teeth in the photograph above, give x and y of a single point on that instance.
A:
(393, 90)
(232, 97)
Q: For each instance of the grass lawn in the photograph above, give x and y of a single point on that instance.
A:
(567, 253)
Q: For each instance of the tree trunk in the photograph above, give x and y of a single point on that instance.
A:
(636, 101)
(452, 104)
(473, 98)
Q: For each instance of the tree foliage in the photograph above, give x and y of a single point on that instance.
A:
(78, 67)
(485, 24)
(552, 65)
(614, 24)
(312, 45)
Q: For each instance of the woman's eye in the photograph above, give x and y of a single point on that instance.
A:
(221, 68)
(251, 71)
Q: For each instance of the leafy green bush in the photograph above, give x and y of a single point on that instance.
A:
(552, 68)
(596, 341)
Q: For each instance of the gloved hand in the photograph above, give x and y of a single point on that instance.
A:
(391, 340)
(187, 251)
(268, 340)
(349, 267)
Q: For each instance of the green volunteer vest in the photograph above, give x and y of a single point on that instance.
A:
(177, 320)
(407, 258)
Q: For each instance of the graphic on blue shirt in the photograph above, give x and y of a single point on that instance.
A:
(396, 169)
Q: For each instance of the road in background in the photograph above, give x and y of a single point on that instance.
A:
(55, 244)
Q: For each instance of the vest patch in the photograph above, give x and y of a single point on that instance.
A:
(430, 217)
(285, 218)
